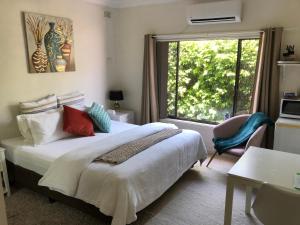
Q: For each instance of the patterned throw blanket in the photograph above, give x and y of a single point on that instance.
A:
(126, 151)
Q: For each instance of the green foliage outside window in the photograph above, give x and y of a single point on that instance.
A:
(207, 78)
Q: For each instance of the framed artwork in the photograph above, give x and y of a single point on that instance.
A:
(50, 43)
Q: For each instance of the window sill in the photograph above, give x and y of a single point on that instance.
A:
(206, 130)
(194, 123)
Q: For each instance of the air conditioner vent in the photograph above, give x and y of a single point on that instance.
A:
(214, 20)
(215, 12)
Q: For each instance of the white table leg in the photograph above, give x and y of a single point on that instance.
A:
(5, 176)
(3, 219)
(248, 199)
(229, 201)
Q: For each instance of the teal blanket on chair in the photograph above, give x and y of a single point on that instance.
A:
(244, 133)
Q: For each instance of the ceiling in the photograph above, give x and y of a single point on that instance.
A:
(128, 3)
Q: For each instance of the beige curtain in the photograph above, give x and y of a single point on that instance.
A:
(266, 95)
(162, 54)
(149, 111)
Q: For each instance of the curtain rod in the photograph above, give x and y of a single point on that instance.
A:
(212, 35)
(246, 34)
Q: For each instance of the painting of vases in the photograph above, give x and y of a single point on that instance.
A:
(50, 44)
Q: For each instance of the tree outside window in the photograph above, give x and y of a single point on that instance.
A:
(210, 79)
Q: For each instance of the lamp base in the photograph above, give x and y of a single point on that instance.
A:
(116, 105)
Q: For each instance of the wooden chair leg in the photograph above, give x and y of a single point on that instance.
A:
(211, 158)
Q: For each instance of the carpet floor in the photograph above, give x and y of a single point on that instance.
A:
(196, 199)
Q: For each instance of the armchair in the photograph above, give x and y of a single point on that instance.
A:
(230, 127)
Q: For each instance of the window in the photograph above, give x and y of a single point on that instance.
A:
(210, 79)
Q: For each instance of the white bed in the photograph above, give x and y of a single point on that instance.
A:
(39, 158)
(120, 190)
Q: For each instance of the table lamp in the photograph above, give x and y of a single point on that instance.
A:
(116, 96)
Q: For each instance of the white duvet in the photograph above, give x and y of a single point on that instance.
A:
(122, 190)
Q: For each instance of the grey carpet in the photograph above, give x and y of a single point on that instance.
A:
(196, 199)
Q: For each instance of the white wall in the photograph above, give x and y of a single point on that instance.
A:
(109, 51)
(16, 84)
(133, 23)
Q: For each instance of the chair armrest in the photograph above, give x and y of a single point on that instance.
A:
(257, 137)
(230, 127)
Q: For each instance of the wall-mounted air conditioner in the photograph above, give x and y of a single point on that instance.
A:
(214, 12)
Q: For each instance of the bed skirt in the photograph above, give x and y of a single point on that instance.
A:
(21, 177)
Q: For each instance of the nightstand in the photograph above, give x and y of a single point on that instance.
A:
(122, 115)
(3, 172)
(3, 219)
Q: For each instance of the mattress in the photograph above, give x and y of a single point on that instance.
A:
(39, 158)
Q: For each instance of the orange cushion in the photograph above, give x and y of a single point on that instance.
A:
(77, 122)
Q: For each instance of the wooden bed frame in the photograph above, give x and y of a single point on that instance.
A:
(22, 177)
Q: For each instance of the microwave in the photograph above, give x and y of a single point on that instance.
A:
(290, 108)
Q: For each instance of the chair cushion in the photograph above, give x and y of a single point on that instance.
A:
(239, 151)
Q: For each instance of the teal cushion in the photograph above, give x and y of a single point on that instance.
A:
(100, 117)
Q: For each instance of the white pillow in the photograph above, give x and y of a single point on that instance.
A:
(24, 128)
(80, 107)
(71, 99)
(23, 124)
(47, 127)
(40, 105)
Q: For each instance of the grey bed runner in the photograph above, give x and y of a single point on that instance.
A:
(126, 151)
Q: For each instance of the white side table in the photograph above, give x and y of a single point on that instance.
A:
(3, 219)
(126, 116)
(3, 172)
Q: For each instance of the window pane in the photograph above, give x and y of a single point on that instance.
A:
(206, 79)
(247, 75)
(172, 60)
(207, 76)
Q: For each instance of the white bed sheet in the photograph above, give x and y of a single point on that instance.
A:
(122, 190)
(39, 158)
(119, 191)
